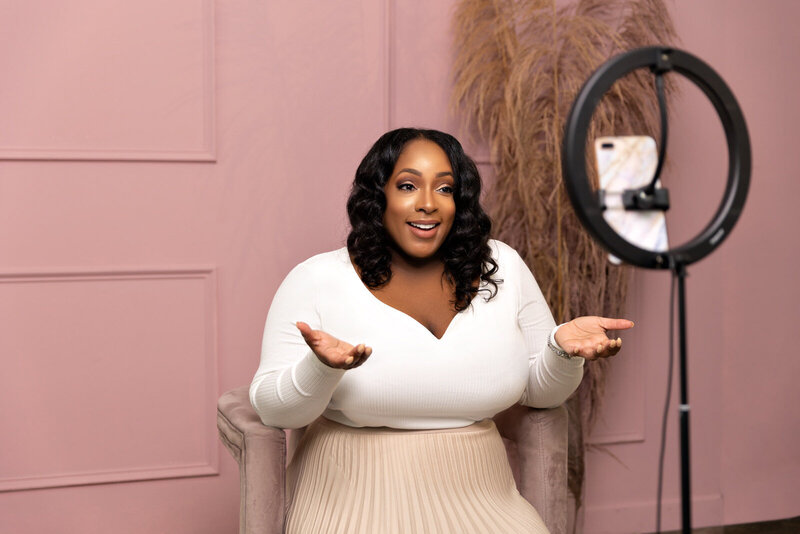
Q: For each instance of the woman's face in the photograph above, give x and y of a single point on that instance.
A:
(420, 203)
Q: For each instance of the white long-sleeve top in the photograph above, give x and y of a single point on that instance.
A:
(492, 355)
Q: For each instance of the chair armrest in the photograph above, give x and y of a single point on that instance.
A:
(260, 452)
(541, 457)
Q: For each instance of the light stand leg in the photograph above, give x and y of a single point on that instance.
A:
(686, 489)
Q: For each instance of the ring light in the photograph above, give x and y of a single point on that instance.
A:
(585, 200)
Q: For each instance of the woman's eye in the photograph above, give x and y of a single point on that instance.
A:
(446, 189)
(405, 187)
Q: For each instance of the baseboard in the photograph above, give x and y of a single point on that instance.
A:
(640, 517)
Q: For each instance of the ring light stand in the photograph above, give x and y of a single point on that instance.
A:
(589, 204)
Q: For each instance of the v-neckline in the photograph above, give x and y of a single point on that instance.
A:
(390, 307)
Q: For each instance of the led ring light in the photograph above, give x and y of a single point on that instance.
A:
(584, 199)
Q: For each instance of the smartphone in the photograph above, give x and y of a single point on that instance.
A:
(629, 162)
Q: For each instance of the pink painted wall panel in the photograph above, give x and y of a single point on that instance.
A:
(89, 382)
(299, 93)
(106, 213)
(421, 59)
(145, 93)
(760, 463)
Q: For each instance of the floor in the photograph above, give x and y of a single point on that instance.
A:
(782, 526)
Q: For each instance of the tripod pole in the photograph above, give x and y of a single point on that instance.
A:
(686, 490)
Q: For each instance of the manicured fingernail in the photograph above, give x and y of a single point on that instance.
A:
(349, 360)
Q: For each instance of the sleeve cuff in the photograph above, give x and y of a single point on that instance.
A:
(310, 376)
(553, 336)
(554, 361)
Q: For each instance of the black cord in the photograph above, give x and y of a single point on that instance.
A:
(662, 149)
(669, 393)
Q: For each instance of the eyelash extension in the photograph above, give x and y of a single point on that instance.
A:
(402, 187)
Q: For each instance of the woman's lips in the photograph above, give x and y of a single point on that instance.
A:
(424, 234)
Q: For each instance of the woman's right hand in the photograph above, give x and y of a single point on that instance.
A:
(331, 351)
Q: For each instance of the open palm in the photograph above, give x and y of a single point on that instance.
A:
(586, 336)
(332, 351)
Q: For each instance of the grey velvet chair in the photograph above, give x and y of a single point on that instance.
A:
(535, 440)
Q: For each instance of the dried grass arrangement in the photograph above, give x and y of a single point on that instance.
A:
(518, 66)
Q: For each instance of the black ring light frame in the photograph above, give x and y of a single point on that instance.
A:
(589, 207)
(584, 198)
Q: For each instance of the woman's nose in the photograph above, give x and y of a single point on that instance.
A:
(426, 201)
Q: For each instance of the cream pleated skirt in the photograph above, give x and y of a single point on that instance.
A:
(384, 481)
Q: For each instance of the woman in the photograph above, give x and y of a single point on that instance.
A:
(386, 340)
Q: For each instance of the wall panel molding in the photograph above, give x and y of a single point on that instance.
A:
(101, 84)
(143, 344)
(623, 416)
(640, 516)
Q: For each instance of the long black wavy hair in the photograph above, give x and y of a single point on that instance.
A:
(465, 252)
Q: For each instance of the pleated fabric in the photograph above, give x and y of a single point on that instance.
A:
(385, 481)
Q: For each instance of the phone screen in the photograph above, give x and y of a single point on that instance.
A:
(629, 162)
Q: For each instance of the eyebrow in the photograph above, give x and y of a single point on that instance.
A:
(417, 173)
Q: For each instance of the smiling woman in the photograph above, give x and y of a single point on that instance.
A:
(399, 426)
(420, 207)
(418, 176)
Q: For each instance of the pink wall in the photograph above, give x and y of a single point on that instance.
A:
(742, 301)
(162, 166)
(756, 46)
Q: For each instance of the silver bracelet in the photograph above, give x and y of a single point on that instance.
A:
(560, 352)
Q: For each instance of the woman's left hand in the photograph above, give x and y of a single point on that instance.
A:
(586, 336)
